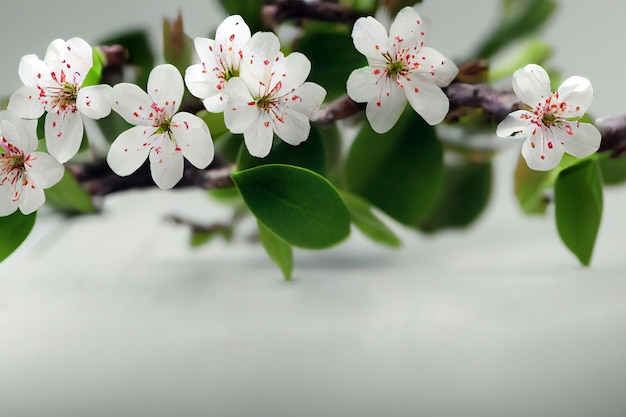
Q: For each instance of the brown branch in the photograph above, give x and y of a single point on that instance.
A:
(279, 11)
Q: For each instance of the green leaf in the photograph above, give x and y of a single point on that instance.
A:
(466, 194)
(69, 197)
(330, 70)
(401, 171)
(613, 170)
(366, 221)
(14, 229)
(300, 206)
(309, 154)
(522, 18)
(278, 250)
(578, 207)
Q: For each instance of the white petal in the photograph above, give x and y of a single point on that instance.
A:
(26, 130)
(515, 122)
(384, 112)
(435, 68)
(33, 71)
(45, 170)
(166, 165)
(193, 138)
(293, 127)
(25, 102)
(95, 101)
(583, 140)
(230, 37)
(406, 30)
(290, 73)
(64, 133)
(129, 150)
(370, 38)
(427, 100)
(241, 110)
(361, 85)
(577, 92)
(133, 104)
(7, 204)
(259, 56)
(541, 151)
(306, 99)
(531, 84)
(166, 87)
(201, 82)
(71, 59)
(12, 133)
(31, 198)
(216, 103)
(205, 49)
(259, 137)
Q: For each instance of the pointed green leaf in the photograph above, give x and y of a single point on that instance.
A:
(300, 206)
(530, 187)
(578, 207)
(69, 197)
(94, 74)
(401, 171)
(465, 197)
(613, 170)
(368, 223)
(14, 229)
(278, 250)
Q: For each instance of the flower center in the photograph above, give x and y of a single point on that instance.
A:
(64, 96)
(395, 67)
(549, 111)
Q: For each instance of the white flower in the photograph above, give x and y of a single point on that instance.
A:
(400, 68)
(160, 132)
(24, 173)
(54, 85)
(219, 62)
(551, 126)
(270, 96)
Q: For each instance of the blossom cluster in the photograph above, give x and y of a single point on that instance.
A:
(262, 93)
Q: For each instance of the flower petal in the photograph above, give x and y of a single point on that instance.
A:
(259, 137)
(8, 204)
(74, 58)
(306, 99)
(384, 112)
(427, 100)
(370, 39)
(45, 170)
(406, 30)
(542, 151)
(241, 110)
(231, 35)
(25, 102)
(129, 151)
(260, 54)
(435, 68)
(292, 128)
(201, 81)
(31, 198)
(516, 122)
(290, 73)
(193, 138)
(133, 104)
(33, 71)
(166, 164)
(362, 83)
(95, 101)
(531, 84)
(577, 92)
(20, 132)
(583, 140)
(64, 133)
(166, 87)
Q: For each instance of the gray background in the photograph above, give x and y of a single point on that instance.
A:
(114, 314)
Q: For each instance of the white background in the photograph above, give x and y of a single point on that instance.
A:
(114, 315)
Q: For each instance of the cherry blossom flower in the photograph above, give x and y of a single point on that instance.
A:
(271, 96)
(551, 126)
(54, 85)
(400, 68)
(219, 62)
(24, 173)
(159, 132)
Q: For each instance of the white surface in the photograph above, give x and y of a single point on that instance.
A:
(114, 315)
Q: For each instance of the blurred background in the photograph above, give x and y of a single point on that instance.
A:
(114, 314)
